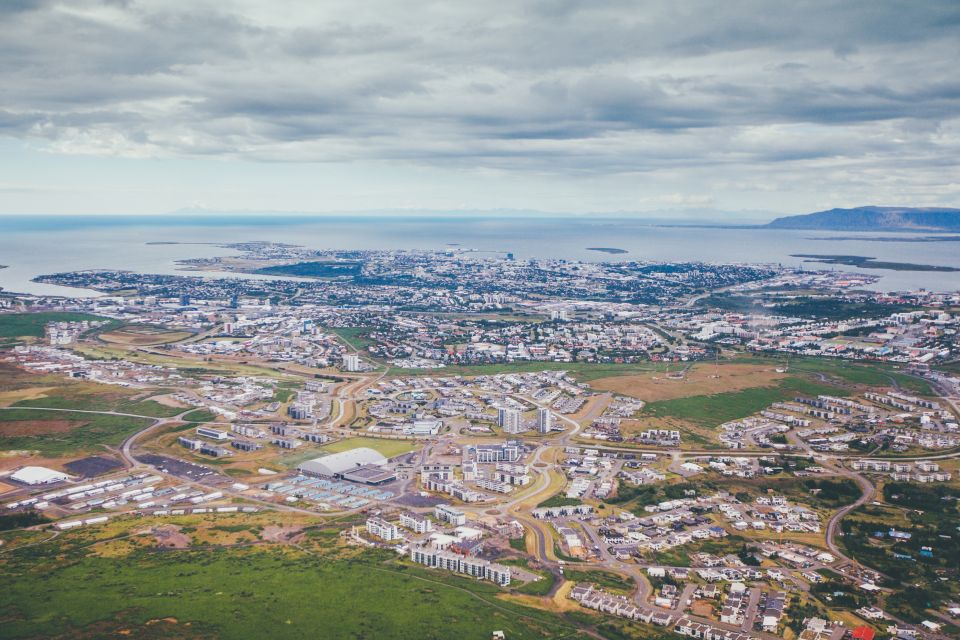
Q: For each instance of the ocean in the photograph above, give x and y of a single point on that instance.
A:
(36, 245)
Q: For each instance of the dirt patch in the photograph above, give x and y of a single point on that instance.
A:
(37, 427)
(273, 533)
(168, 536)
(143, 335)
(13, 459)
(6, 488)
(701, 379)
(7, 398)
(702, 608)
(169, 401)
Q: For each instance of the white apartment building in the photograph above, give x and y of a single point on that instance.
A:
(416, 522)
(447, 513)
(509, 420)
(450, 561)
(544, 420)
(350, 362)
(383, 529)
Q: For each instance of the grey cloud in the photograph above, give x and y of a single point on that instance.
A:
(556, 87)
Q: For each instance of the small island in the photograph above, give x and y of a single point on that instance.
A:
(866, 262)
(612, 250)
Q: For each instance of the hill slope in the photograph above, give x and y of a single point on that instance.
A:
(874, 219)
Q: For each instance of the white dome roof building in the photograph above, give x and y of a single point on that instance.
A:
(337, 464)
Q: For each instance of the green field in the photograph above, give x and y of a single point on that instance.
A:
(711, 411)
(354, 337)
(92, 431)
(14, 325)
(200, 415)
(388, 448)
(87, 396)
(101, 403)
(874, 374)
(254, 593)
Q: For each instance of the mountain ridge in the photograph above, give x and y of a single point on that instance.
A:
(874, 218)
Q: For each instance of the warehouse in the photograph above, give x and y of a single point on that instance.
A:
(336, 465)
(369, 474)
(38, 475)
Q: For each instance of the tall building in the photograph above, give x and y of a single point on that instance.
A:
(351, 362)
(509, 420)
(544, 420)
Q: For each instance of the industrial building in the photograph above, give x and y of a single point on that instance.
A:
(38, 475)
(214, 434)
(363, 465)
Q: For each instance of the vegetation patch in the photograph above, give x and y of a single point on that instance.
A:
(713, 410)
(605, 579)
(91, 431)
(15, 325)
(258, 594)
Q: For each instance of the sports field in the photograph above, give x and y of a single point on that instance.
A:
(387, 448)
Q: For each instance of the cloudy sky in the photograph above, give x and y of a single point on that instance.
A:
(127, 106)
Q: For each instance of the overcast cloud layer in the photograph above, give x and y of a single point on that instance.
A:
(559, 105)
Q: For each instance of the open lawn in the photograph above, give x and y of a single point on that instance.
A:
(701, 379)
(57, 433)
(388, 448)
(266, 592)
(13, 325)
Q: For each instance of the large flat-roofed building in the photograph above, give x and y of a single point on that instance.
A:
(215, 434)
(370, 474)
(38, 475)
(336, 465)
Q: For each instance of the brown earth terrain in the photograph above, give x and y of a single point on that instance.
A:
(141, 336)
(701, 379)
(37, 427)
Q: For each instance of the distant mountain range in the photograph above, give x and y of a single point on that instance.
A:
(926, 219)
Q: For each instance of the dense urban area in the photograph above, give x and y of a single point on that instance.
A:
(464, 444)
